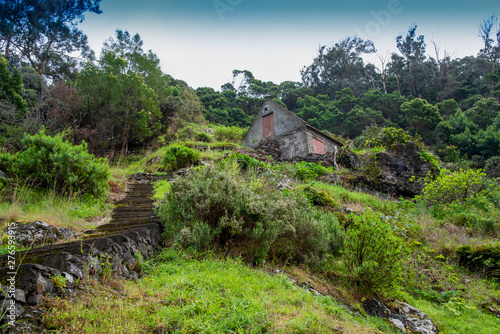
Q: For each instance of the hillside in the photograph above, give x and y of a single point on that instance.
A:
(253, 245)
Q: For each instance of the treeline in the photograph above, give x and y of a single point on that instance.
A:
(452, 103)
(50, 78)
(121, 100)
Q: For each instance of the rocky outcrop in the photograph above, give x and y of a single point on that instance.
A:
(407, 318)
(399, 172)
(133, 233)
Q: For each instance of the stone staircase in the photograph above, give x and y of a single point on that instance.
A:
(133, 233)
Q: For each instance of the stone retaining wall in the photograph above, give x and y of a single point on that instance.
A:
(133, 233)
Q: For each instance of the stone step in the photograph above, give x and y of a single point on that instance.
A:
(134, 227)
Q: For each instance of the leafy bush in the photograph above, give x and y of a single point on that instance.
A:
(180, 156)
(426, 156)
(374, 136)
(482, 258)
(373, 254)
(309, 171)
(203, 137)
(53, 163)
(455, 186)
(317, 196)
(229, 133)
(243, 213)
(492, 167)
(449, 154)
(245, 161)
(335, 232)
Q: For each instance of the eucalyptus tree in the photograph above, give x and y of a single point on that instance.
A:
(412, 47)
(44, 34)
(340, 66)
(491, 41)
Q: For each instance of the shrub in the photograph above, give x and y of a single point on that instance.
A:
(203, 137)
(492, 167)
(374, 136)
(308, 171)
(483, 258)
(229, 133)
(478, 213)
(334, 230)
(242, 213)
(245, 161)
(373, 254)
(180, 156)
(449, 154)
(426, 156)
(455, 186)
(53, 163)
(317, 196)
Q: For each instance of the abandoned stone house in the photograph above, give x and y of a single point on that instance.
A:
(289, 133)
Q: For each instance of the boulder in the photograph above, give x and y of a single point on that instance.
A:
(399, 172)
(38, 233)
(407, 318)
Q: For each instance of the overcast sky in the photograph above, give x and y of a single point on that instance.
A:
(203, 41)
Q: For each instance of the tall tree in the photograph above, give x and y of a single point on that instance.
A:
(44, 33)
(339, 66)
(423, 117)
(490, 52)
(412, 47)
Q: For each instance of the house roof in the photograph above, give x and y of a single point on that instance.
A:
(275, 104)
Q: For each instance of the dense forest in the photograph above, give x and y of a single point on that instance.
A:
(123, 100)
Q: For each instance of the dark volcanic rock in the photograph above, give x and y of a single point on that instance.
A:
(399, 172)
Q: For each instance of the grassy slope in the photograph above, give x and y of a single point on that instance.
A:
(202, 293)
(187, 293)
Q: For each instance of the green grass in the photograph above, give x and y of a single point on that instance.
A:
(357, 201)
(160, 188)
(457, 316)
(77, 213)
(183, 293)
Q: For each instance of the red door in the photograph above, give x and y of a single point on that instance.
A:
(268, 125)
(319, 146)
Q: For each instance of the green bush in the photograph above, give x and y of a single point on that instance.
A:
(426, 156)
(229, 133)
(492, 167)
(245, 161)
(455, 186)
(478, 213)
(317, 196)
(309, 171)
(374, 136)
(450, 153)
(203, 137)
(243, 213)
(373, 254)
(334, 230)
(53, 163)
(483, 258)
(180, 156)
